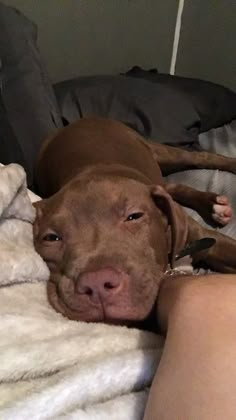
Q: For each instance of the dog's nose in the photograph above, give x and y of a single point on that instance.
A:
(100, 284)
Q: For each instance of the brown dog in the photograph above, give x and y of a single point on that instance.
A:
(111, 228)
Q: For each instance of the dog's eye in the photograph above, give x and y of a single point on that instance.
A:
(52, 237)
(134, 216)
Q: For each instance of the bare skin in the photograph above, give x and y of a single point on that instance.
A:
(196, 377)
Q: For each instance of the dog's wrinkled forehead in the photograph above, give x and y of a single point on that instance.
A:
(102, 196)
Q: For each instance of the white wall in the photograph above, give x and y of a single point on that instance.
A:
(80, 37)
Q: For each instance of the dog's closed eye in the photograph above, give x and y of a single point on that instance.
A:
(134, 216)
(52, 237)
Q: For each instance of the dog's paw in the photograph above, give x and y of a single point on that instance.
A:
(222, 210)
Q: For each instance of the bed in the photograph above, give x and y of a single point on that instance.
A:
(51, 367)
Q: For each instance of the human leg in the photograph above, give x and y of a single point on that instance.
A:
(196, 377)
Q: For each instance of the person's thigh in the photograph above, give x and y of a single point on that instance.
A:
(196, 378)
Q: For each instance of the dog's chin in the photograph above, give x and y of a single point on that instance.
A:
(132, 319)
(116, 315)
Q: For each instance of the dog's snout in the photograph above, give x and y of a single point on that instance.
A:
(99, 284)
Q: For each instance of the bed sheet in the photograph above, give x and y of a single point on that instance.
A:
(221, 140)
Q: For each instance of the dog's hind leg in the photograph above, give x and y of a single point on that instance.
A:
(173, 159)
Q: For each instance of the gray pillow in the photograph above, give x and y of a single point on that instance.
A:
(156, 111)
(10, 150)
(214, 103)
(26, 91)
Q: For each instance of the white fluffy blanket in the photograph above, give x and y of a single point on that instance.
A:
(50, 367)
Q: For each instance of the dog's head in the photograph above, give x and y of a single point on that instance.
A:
(107, 243)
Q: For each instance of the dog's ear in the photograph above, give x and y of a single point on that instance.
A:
(39, 207)
(177, 220)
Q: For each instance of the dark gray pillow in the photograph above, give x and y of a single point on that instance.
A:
(173, 110)
(26, 91)
(155, 111)
(215, 104)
